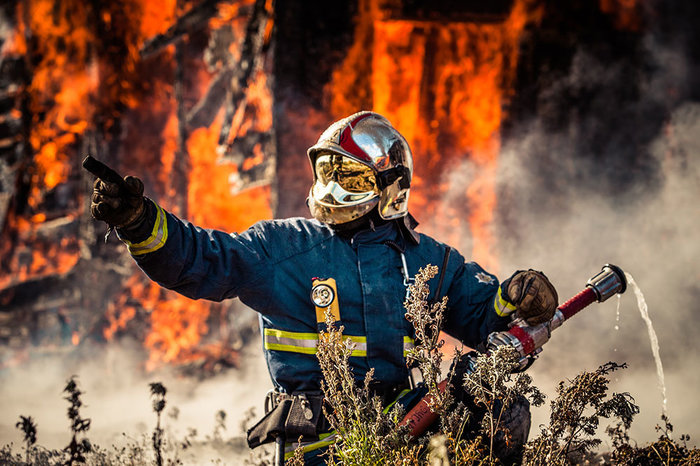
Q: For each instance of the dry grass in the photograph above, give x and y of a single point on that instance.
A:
(368, 434)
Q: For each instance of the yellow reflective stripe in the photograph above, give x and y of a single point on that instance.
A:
(408, 344)
(159, 235)
(502, 307)
(400, 395)
(324, 441)
(296, 335)
(359, 348)
(329, 438)
(290, 348)
(305, 343)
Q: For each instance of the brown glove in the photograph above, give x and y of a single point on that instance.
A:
(533, 295)
(117, 206)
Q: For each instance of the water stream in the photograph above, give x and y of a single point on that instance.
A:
(617, 323)
(644, 311)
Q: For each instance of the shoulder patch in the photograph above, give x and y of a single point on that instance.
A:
(483, 277)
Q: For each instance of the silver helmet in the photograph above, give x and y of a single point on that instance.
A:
(358, 163)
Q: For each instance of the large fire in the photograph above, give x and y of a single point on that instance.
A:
(80, 88)
(444, 85)
(178, 323)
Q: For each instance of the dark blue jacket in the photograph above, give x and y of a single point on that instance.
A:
(270, 267)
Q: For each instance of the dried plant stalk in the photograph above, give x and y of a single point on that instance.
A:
(427, 321)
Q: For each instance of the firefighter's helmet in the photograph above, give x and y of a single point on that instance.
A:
(358, 163)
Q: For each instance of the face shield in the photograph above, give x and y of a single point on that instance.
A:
(344, 190)
(342, 181)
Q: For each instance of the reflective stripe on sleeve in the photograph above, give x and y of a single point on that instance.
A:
(158, 237)
(501, 306)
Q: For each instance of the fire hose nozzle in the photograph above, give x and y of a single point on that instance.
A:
(608, 282)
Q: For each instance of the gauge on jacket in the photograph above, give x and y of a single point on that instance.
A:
(324, 295)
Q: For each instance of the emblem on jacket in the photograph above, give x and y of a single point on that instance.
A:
(324, 295)
(483, 277)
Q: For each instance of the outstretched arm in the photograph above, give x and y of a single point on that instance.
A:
(195, 262)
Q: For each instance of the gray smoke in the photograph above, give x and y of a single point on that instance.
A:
(573, 195)
(650, 234)
(567, 210)
(117, 400)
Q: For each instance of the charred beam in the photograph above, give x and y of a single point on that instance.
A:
(259, 175)
(15, 119)
(8, 97)
(195, 19)
(473, 11)
(23, 295)
(181, 166)
(251, 51)
(217, 56)
(203, 114)
(242, 147)
(9, 146)
(10, 127)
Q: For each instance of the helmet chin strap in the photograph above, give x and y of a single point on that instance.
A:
(369, 221)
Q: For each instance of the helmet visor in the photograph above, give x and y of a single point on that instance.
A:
(351, 175)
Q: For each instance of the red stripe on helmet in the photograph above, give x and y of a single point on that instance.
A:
(348, 143)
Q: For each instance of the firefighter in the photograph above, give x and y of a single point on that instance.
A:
(356, 256)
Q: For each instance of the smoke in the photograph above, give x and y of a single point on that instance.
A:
(603, 172)
(612, 178)
(117, 400)
(648, 231)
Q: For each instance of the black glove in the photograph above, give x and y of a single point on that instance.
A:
(533, 295)
(118, 206)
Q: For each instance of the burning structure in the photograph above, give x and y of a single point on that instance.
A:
(217, 101)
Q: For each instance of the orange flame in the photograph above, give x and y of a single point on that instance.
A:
(34, 257)
(69, 83)
(626, 14)
(61, 88)
(178, 324)
(444, 86)
(74, 82)
(210, 201)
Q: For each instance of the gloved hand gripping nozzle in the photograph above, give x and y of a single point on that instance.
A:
(526, 339)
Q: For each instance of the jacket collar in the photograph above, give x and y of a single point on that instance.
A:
(379, 234)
